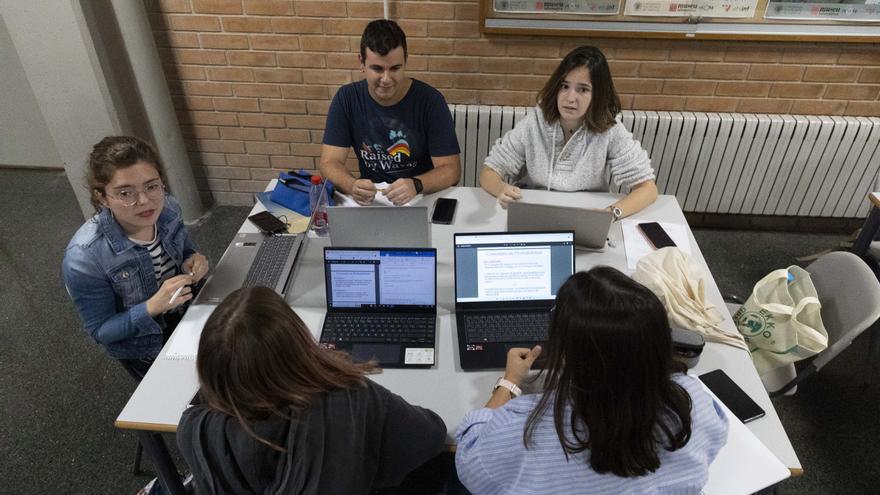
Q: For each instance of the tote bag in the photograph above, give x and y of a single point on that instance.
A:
(781, 320)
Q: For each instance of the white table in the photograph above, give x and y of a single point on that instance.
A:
(168, 387)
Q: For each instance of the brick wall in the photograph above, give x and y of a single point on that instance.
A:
(252, 79)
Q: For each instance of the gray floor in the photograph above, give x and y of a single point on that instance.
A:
(59, 393)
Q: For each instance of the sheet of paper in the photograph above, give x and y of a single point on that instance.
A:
(184, 344)
(637, 246)
(744, 464)
(379, 200)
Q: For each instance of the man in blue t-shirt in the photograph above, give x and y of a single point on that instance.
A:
(400, 128)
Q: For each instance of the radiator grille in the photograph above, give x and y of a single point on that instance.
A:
(754, 164)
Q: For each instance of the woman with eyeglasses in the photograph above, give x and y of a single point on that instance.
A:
(617, 413)
(130, 268)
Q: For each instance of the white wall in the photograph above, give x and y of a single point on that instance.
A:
(24, 135)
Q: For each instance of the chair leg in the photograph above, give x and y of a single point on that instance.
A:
(138, 455)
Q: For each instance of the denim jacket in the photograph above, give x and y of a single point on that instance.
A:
(110, 278)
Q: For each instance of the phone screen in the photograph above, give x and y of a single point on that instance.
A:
(444, 210)
(656, 235)
(728, 392)
(267, 222)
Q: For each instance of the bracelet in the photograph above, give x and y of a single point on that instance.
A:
(509, 386)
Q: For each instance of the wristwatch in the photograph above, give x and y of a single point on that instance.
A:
(616, 212)
(509, 385)
(418, 185)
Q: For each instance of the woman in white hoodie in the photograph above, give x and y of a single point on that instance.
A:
(572, 141)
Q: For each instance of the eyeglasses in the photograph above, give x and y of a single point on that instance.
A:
(130, 195)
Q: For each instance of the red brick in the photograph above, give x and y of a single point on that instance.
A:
(258, 90)
(809, 55)
(268, 7)
(193, 102)
(304, 92)
(666, 70)
(764, 105)
(213, 184)
(623, 69)
(278, 75)
(199, 57)
(227, 173)
(292, 162)
(369, 10)
(625, 85)
(480, 48)
(863, 108)
(287, 135)
(237, 104)
(178, 40)
(206, 88)
(186, 73)
(689, 88)
(776, 72)
(861, 56)
(218, 146)
(349, 61)
(251, 186)
(710, 104)
(241, 133)
(796, 90)
(325, 43)
(306, 122)
(297, 25)
(526, 83)
(320, 9)
(414, 28)
(752, 54)
(462, 96)
(712, 52)
(275, 42)
(200, 131)
(741, 88)
(247, 160)
(265, 174)
(348, 26)
(545, 67)
(505, 65)
(318, 107)
(851, 92)
(247, 24)
(454, 29)
(438, 79)
(470, 12)
(454, 64)
(282, 106)
(813, 107)
(316, 136)
(167, 6)
(261, 120)
(507, 98)
(533, 48)
(267, 148)
(306, 149)
(420, 46)
(831, 74)
(193, 23)
(212, 118)
(327, 76)
(230, 74)
(217, 6)
(652, 102)
(224, 41)
(265, 59)
(478, 81)
(721, 71)
(300, 59)
(642, 53)
(626, 102)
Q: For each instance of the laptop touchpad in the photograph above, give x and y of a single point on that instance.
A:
(384, 353)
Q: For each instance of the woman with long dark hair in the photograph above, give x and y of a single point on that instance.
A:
(279, 414)
(617, 414)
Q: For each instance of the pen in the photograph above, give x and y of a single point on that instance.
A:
(174, 296)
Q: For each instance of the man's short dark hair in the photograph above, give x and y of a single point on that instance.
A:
(381, 36)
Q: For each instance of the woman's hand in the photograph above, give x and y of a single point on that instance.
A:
(161, 302)
(508, 194)
(197, 266)
(519, 362)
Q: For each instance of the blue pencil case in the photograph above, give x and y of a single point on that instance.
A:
(292, 191)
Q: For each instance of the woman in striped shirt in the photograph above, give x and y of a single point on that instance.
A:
(617, 414)
(130, 268)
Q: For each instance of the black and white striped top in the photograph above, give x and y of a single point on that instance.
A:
(163, 266)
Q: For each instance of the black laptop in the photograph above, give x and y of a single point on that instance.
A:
(382, 304)
(505, 285)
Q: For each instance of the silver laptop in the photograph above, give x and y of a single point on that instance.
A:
(379, 226)
(590, 226)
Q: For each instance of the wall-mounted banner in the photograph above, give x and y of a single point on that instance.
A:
(693, 8)
(586, 7)
(845, 10)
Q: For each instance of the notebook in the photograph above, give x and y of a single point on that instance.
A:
(505, 285)
(590, 226)
(381, 304)
(378, 226)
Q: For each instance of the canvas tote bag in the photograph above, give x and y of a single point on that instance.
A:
(679, 283)
(781, 320)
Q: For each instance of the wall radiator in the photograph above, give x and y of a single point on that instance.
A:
(752, 164)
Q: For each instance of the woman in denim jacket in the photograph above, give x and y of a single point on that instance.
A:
(124, 266)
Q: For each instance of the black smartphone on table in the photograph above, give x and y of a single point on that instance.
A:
(740, 404)
(268, 223)
(656, 235)
(444, 210)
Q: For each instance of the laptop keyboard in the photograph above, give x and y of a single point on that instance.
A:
(269, 262)
(410, 330)
(507, 327)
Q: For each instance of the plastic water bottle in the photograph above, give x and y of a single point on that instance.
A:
(318, 207)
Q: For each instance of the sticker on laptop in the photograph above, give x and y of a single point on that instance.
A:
(419, 355)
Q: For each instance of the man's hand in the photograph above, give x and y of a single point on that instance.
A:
(401, 191)
(519, 362)
(363, 191)
(508, 194)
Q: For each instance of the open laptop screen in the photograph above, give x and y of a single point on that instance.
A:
(512, 266)
(381, 279)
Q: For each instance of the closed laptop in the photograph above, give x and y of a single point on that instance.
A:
(590, 226)
(379, 226)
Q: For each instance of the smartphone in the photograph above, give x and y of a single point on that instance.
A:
(656, 235)
(444, 210)
(728, 392)
(268, 223)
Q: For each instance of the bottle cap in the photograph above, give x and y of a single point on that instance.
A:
(316, 179)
